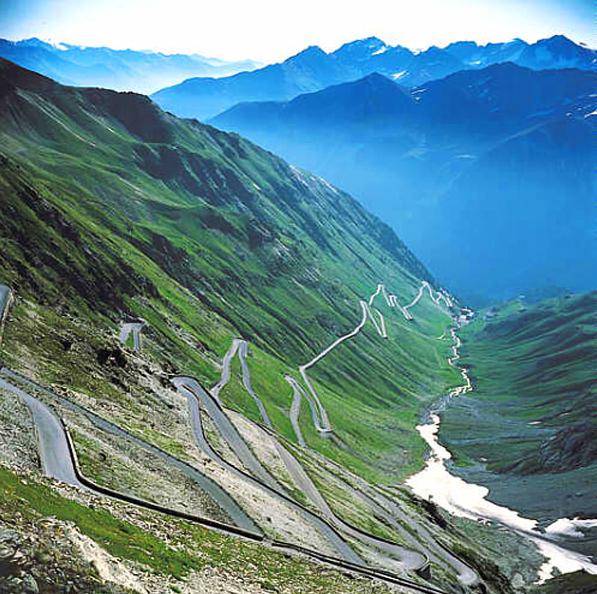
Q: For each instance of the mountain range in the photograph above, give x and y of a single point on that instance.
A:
(237, 273)
(465, 147)
(127, 70)
(313, 69)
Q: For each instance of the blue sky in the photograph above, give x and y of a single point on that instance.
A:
(270, 30)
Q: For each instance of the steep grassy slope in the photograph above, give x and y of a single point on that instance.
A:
(112, 208)
(528, 428)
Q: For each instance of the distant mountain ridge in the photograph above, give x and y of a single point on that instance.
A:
(313, 70)
(506, 148)
(128, 70)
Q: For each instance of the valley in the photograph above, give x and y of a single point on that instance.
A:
(221, 373)
(544, 443)
(459, 148)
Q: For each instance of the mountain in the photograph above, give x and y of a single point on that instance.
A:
(314, 69)
(412, 156)
(237, 269)
(365, 56)
(114, 209)
(128, 70)
(373, 99)
(554, 52)
(310, 70)
(558, 52)
(431, 64)
(480, 56)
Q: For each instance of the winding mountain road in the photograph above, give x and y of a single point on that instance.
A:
(323, 425)
(409, 559)
(56, 455)
(385, 508)
(59, 462)
(439, 296)
(48, 433)
(399, 557)
(199, 399)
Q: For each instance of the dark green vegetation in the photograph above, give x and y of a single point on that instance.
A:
(530, 418)
(112, 208)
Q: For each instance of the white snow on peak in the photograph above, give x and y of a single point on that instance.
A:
(382, 50)
(400, 74)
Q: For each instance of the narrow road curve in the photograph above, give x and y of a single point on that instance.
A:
(240, 347)
(406, 558)
(295, 408)
(225, 377)
(211, 488)
(198, 399)
(436, 298)
(135, 328)
(53, 445)
(409, 559)
(242, 353)
(390, 299)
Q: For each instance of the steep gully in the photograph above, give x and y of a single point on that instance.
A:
(436, 483)
(59, 461)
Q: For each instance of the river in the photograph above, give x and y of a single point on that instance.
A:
(460, 498)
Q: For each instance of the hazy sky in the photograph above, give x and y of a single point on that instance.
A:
(269, 30)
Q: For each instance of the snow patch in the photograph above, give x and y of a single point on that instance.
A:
(568, 527)
(398, 75)
(467, 500)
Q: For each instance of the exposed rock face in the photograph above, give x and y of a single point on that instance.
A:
(41, 557)
(571, 447)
